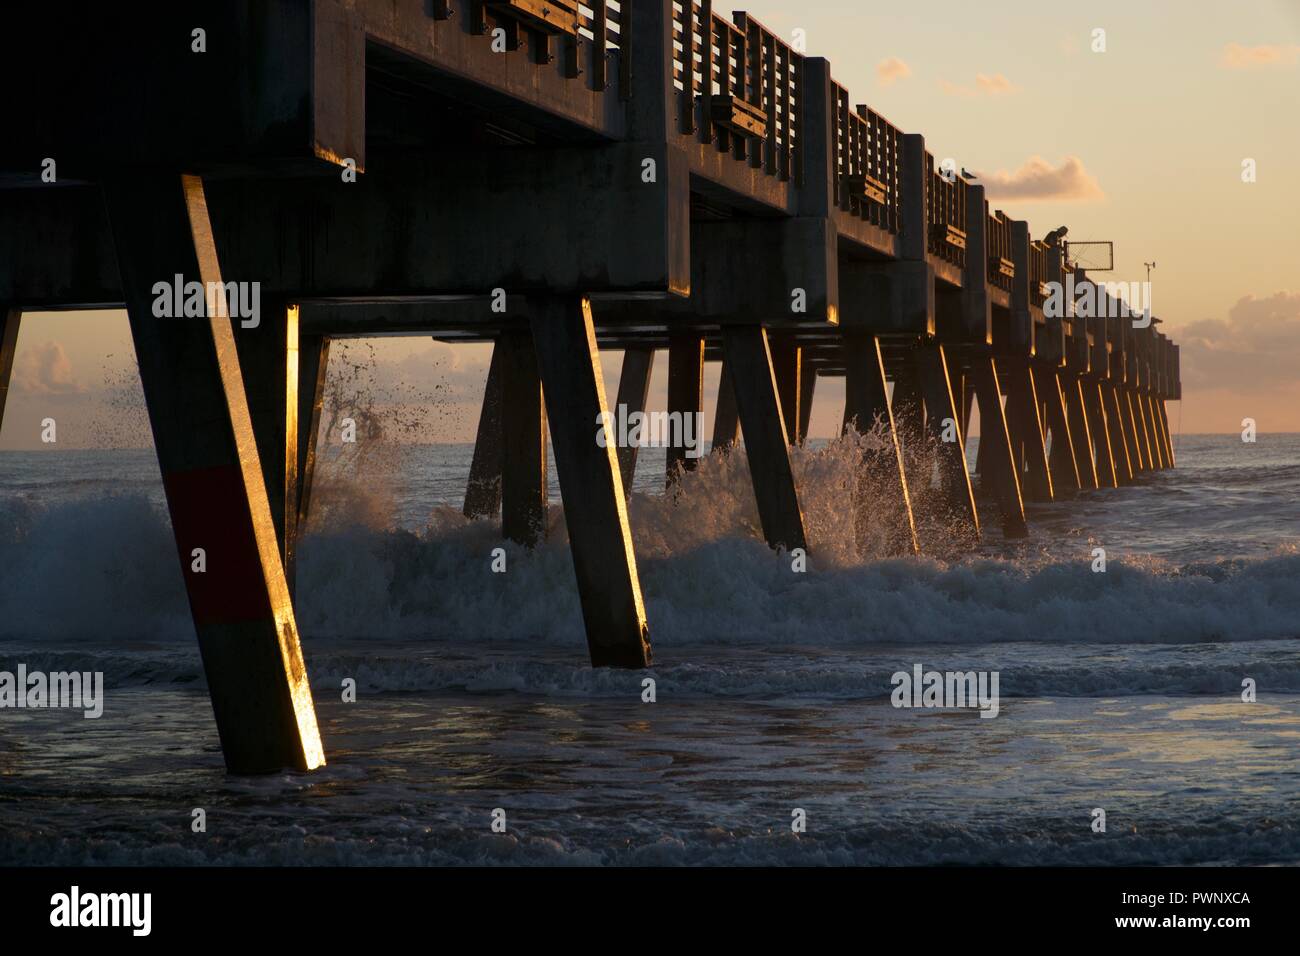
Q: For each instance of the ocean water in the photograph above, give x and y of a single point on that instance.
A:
(1119, 690)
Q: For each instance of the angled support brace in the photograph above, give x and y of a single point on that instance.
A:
(633, 393)
(766, 443)
(943, 422)
(483, 491)
(866, 401)
(999, 465)
(1099, 427)
(1080, 432)
(212, 476)
(1026, 429)
(591, 485)
(1061, 463)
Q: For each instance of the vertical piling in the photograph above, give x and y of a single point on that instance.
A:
(807, 389)
(685, 399)
(726, 418)
(523, 440)
(313, 364)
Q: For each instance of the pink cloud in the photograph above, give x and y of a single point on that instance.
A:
(45, 370)
(1039, 181)
(985, 85)
(891, 69)
(1238, 57)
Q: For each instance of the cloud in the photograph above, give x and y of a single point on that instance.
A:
(891, 69)
(1038, 180)
(985, 85)
(1238, 57)
(45, 370)
(1254, 347)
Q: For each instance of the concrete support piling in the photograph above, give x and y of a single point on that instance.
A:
(591, 484)
(1121, 439)
(766, 437)
(1080, 431)
(866, 401)
(1145, 447)
(1164, 426)
(212, 476)
(999, 465)
(943, 423)
(1100, 426)
(726, 418)
(633, 393)
(685, 400)
(807, 389)
(1065, 469)
(787, 366)
(1145, 405)
(313, 364)
(524, 496)
(268, 362)
(483, 491)
(1025, 427)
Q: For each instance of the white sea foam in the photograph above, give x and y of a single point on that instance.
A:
(106, 568)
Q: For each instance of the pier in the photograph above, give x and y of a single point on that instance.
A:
(559, 179)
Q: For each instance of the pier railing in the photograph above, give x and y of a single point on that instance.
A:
(946, 205)
(1002, 265)
(537, 24)
(1037, 273)
(867, 153)
(739, 87)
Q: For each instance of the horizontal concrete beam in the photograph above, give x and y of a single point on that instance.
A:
(581, 220)
(779, 271)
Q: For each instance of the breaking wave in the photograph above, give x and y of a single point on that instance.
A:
(93, 570)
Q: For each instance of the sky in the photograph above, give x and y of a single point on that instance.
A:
(1142, 144)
